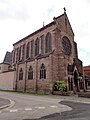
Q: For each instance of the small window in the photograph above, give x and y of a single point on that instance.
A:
(21, 74)
(42, 72)
(30, 73)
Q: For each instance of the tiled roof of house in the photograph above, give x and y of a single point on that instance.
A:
(86, 67)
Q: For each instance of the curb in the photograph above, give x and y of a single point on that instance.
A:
(8, 105)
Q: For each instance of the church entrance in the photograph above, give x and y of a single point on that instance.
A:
(76, 81)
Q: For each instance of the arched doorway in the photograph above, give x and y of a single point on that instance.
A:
(70, 84)
(76, 80)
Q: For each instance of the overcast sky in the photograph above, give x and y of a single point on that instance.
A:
(19, 18)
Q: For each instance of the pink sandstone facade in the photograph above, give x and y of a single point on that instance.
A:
(48, 55)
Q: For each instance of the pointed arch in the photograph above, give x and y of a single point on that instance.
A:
(21, 74)
(19, 53)
(42, 71)
(30, 73)
(48, 42)
(23, 51)
(37, 47)
(27, 50)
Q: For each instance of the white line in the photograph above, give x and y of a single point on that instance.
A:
(40, 107)
(28, 109)
(9, 105)
(53, 106)
(14, 110)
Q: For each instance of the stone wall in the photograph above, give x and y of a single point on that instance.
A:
(36, 84)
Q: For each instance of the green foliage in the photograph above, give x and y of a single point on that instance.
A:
(60, 86)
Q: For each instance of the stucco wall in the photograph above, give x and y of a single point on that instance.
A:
(6, 80)
(3, 67)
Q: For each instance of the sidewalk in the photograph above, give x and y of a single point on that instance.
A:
(4, 103)
(73, 98)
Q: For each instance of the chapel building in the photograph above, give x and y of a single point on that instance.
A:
(48, 55)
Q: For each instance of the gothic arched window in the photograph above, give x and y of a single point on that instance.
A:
(23, 52)
(19, 53)
(48, 42)
(67, 47)
(37, 47)
(21, 74)
(30, 73)
(42, 72)
(27, 50)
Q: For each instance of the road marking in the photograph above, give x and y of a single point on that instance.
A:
(14, 110)
(53, 106)
(40, 107)
(27, 109)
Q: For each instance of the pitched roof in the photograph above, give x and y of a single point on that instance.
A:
(44, 27)
(39, 30)
(86, 67)
(8, 58)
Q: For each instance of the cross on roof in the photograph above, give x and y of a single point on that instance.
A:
(64, 9)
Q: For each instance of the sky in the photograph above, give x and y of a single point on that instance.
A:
(19, 18)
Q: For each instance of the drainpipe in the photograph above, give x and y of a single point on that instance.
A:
(16, 77)
(36, 74)
(25, 76)
(51, 82)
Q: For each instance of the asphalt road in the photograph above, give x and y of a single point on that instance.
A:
(28, 106)
(31, 107)
(4, 102)
(80, 111)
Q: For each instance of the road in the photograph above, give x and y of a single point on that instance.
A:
(31, 107)
(26, 106)
(80, 111)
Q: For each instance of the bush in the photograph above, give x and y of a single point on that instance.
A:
(60, 86)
